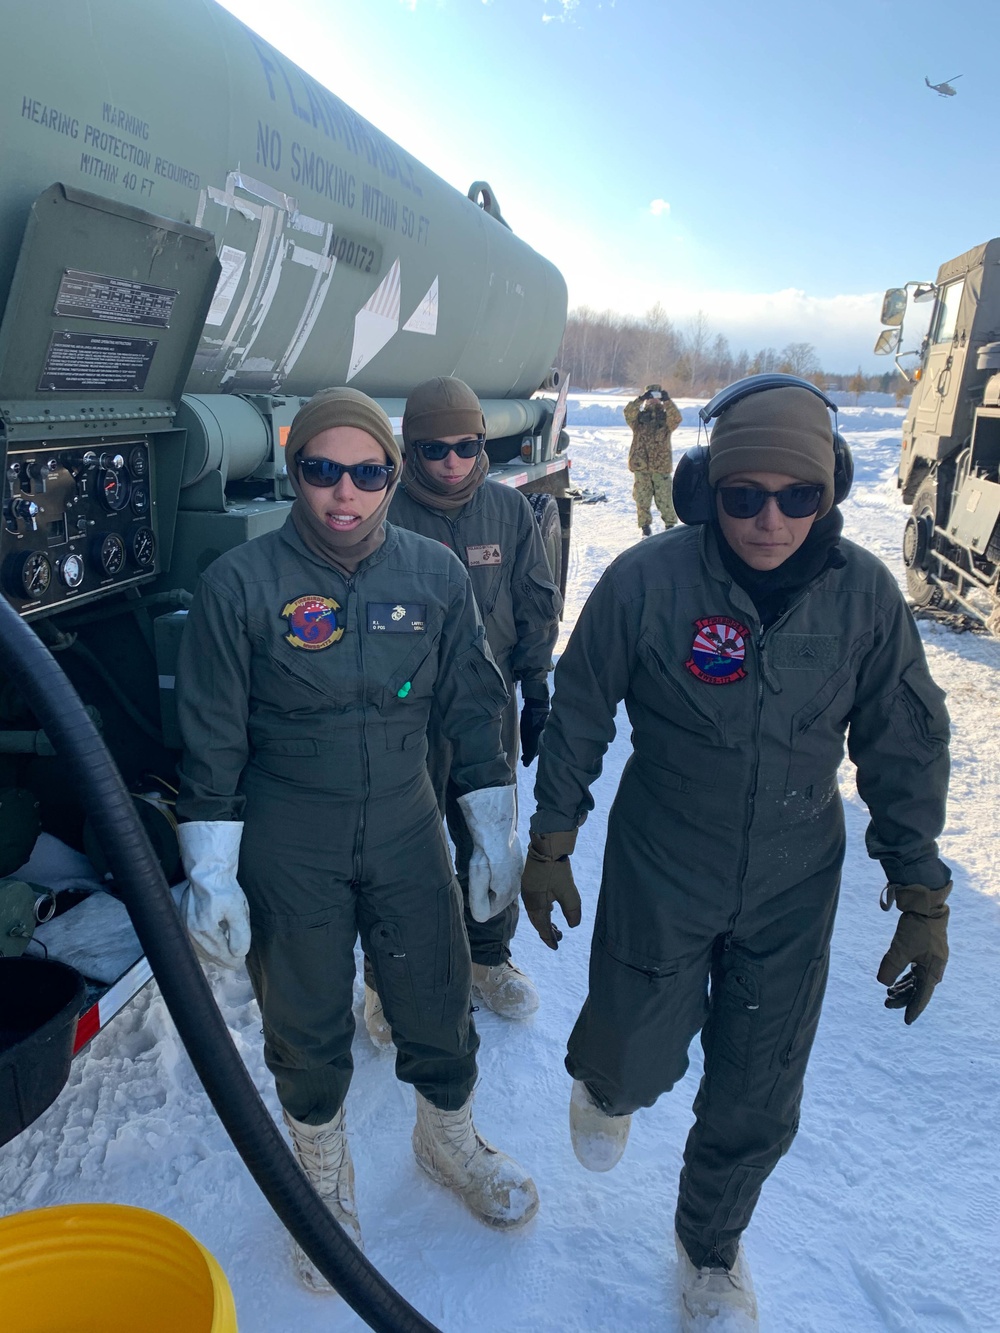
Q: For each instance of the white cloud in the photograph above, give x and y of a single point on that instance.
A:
(658, 207)
(842, 328)
(564, 9)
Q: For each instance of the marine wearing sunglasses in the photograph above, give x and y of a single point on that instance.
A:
(345, 473)
(365, 476)
(766, 516)
(450, 459)
(434, 451)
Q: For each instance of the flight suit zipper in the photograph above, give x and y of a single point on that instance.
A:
(359, 839)
(758, 642)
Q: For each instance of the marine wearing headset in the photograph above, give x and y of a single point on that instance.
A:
(746, 646)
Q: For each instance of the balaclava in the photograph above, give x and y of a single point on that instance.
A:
(340, 407)
(439, 407)
(784, 430)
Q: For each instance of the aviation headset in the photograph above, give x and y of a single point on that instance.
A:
(694, 498)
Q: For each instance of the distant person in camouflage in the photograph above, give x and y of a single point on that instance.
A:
(653, 417)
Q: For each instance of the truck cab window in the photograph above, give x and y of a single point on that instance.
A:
(946, 317)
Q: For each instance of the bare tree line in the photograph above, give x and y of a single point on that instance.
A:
(602, 349)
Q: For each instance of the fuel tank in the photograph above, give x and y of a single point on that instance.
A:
(344, 259)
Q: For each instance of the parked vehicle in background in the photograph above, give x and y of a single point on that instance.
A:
(949, 469)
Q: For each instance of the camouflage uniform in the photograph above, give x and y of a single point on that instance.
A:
(650, 457)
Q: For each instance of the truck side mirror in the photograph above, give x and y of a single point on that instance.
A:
(888, 341)
(894, 307)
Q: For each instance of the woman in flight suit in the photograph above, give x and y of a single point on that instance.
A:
(305, 682)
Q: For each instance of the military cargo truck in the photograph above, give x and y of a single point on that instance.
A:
(195, 236)
(949, 469)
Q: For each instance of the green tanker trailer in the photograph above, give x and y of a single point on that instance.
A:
(194, 237)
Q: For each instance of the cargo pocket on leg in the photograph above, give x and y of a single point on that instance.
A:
(393, 977)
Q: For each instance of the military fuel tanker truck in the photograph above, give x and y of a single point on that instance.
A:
(196, 236)
(949, 469)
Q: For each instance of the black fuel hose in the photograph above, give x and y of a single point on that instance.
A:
(188, 997)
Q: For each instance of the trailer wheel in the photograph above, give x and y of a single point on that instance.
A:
(550, 528)
(918, 542)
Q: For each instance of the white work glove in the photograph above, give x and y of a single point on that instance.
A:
(214, 907)
(497, 857)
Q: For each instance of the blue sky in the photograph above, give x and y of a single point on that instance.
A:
(776, 165)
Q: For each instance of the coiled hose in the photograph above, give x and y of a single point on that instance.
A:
(192, 1006)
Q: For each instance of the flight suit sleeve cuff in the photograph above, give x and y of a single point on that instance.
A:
(930, 871)
(550, 821)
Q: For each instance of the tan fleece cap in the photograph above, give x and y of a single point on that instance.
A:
(786, 430)
(439, 407)
(340, 407)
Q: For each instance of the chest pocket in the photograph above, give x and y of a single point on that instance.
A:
(403, 670)
(670, 697)
(680, 737)
(817, 726)
(293, 680)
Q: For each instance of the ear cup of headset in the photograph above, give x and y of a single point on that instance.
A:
(692, 495)
(843, 468)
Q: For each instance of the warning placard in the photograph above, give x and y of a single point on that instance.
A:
(88, 363)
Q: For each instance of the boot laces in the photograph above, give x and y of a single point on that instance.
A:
(460, 1133)
(324, 1157)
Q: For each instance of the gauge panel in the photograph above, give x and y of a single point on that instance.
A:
(78, 521)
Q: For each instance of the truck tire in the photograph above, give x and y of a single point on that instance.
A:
(550, 528)
(918, 540)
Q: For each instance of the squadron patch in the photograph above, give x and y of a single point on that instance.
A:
(718, 650)
(313, 622)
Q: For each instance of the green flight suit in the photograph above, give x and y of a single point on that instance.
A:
(303, 699)
(497, 539)
(726, 838)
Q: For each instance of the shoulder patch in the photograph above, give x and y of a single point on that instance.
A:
(718, 650)
(313, 622)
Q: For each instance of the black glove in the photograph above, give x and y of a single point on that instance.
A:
(533, 716)
(921, 939)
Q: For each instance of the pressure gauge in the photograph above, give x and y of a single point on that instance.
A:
(72, 570)
(113, 486)
(140, 499)
(31, 575)
(138, 463)
(111, 553)
(142, 547)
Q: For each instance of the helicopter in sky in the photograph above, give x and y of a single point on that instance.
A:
(943, 89)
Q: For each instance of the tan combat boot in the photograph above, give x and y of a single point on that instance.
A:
(598, 1139)
(711, 1297)
(452, 1152)
(325, 1157)
(376, 1021)
(505, 989)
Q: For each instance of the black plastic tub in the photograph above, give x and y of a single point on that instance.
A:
(40, 1001)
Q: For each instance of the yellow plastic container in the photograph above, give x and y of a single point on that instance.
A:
(105, 1268)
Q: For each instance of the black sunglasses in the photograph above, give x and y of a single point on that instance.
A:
(365, 476)
(747, 501)
(435, 450)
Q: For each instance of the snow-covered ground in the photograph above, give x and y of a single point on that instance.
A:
(884, 1215)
